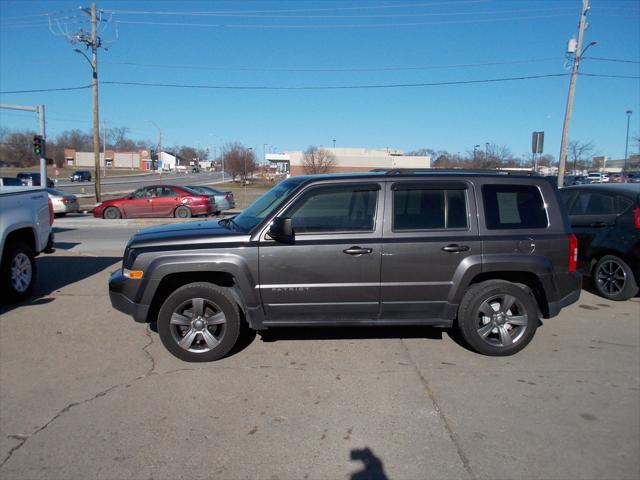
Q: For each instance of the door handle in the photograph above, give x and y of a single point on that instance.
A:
(357, 251)
(455, 248)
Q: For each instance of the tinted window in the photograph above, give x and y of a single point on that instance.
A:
(166, 192)
(513, 206)
(335, 210)
(417, 209)
(623, 204)
(592, 203)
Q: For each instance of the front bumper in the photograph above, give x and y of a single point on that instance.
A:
(120, 301)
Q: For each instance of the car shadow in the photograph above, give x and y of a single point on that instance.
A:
(350, 333)
(372, 466)
(56, 272)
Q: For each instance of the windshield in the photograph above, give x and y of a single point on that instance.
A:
(266, 204)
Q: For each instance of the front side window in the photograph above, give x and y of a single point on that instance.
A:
(341, 209)
(427, 209)
(513, 207)
(143, 193)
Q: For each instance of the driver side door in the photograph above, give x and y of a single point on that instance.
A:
(330, 274)
(140, 204)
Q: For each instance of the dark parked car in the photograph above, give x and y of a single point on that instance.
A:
(570, 180)
(33, 179)
(488, 254)
(81, 176)
(224, 200)
(156, 201)
(606, 220)
(633, 178)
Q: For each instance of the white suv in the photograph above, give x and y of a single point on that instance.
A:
(597, 177)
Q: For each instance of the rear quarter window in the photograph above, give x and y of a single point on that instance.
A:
(514, 207)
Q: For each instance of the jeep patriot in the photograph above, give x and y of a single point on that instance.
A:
(486, 253)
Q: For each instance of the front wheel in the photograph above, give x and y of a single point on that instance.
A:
(199, 322)
(18, 271)
(497, 318)
(614, 279)
(112, 213)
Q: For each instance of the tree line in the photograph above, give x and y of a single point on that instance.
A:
(16, 146)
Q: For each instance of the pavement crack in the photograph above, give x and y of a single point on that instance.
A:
(24, 438)
(151, 370)
(452, 436)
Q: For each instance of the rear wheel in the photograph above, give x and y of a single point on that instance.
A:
(614, 279)
(497, 318)
(199, 322)
(182, 212)
(18, 271)
(112, 213)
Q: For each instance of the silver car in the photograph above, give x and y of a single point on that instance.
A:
(224, 200)
(63, 203)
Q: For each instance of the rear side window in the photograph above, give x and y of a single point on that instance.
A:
(427, 209)
(513, 207)
(593, 203)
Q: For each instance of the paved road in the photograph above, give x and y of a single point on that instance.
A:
(130, 183)
(87, 393)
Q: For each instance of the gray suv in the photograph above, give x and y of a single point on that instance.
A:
(487, 254)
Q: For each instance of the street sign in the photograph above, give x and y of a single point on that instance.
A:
(537, 142)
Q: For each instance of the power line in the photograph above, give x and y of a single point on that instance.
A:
(326, 9)
(334, 87)
(584, 74)
(618, 60)
(386, 15)
(336, 25)
(333, 69)
(46, 90)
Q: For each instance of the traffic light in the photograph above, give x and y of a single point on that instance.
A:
(38, 146)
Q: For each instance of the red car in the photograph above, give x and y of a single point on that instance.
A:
(157, 201)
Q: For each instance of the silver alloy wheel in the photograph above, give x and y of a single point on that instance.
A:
(501, 320)
(611, 277)
(198, 325)
(21, 272)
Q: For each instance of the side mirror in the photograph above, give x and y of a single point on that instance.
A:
(281, 230)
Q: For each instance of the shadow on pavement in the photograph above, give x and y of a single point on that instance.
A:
(349, 333)
(373, 468)
(62, 230)
(66, 245)
(56, 272)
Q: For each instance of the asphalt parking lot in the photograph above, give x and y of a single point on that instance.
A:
(87, 393)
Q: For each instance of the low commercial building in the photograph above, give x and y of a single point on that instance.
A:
(350, 160)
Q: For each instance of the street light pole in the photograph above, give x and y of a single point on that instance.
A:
(475, 150)
(626, 146)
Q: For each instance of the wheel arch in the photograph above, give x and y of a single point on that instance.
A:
(25, 235)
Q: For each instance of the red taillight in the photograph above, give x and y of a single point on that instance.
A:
(636, 217)
(51, 214)
(573, 252)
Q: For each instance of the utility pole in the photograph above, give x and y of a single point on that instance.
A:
(104, 147)
(572, 87)
(626, 145)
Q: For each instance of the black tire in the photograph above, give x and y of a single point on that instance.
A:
(18, 266)
(179, 321)
(614, 279)
(182, 212)
(492, 332)
(111, 213)
(217, 212)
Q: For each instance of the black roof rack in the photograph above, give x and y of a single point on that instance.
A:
(459, 171)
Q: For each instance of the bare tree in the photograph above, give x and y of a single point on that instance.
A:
(119, 139)
(239, 160)
(318, 160)
(580, 152)
(16, 148)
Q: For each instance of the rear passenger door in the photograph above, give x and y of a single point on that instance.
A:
(167, 199)
(430, 237)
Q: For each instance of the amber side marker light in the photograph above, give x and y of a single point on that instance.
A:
(133, 274)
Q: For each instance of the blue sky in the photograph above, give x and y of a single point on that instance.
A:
(330, 43)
